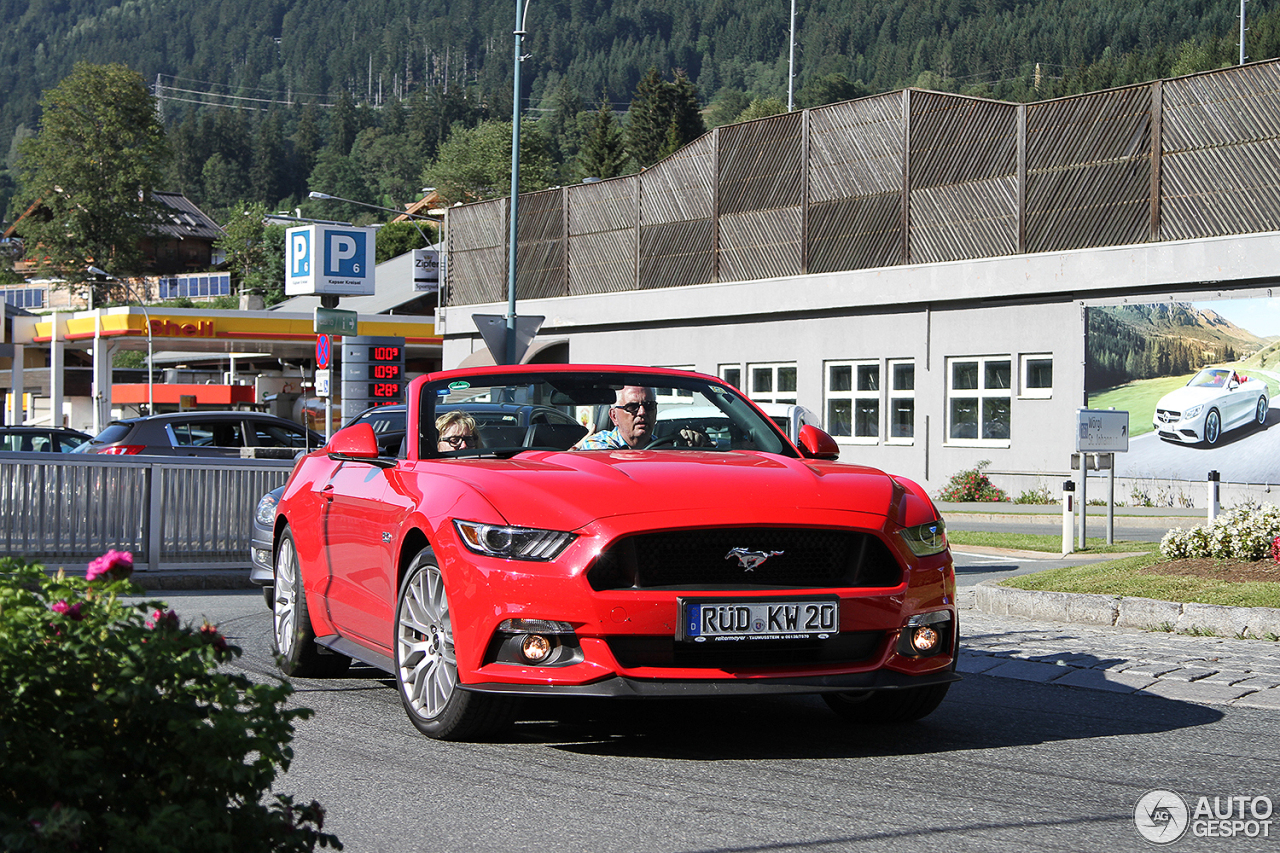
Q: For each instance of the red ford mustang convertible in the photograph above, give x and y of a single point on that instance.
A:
(609, 531)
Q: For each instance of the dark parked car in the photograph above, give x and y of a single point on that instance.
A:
(41, 439)
(207, 434)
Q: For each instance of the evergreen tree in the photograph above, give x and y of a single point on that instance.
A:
(662, 114)
(306, 149)
(93, 165)
(647, 119)
(603, 154)
(343, 124)
(685, 109)
(267, 178)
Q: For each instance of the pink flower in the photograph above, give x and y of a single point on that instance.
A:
(116, 565)
(163, 620)
(211, 636)
(71, 611)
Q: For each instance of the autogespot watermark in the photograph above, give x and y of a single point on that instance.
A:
(1162, 817)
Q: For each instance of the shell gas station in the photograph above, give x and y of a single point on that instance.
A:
(227, 359)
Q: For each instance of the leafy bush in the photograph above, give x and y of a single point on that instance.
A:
(118, 731)
(1038, 495)
(971, 485)
(1244, 532)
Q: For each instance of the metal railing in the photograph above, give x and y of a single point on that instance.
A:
(172, 514)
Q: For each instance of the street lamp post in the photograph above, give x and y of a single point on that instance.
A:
(791, 58)
(522, 10)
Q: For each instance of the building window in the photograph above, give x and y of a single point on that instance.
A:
(853, 400)
(772, 383)
(1037, 376)
(978, 393)
(902, 402)
(195, 286)
(731, 373)
(26, 297)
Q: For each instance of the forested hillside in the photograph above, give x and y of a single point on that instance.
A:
(1131, 342)
(294, 79)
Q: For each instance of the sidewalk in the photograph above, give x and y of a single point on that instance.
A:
(1198, 669)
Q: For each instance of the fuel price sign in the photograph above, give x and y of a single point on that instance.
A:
(372, 373)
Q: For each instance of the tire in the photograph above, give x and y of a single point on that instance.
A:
(426, 663)
(1212, 427)
(293, 639)
(888, 706)
(1261, 414)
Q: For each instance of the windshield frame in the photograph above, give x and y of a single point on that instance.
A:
(591, 385)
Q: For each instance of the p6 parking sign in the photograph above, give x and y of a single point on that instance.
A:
(337, 259)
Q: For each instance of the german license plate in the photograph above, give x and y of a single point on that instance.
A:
(704, 621)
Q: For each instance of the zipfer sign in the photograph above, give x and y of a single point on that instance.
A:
(1163, 817)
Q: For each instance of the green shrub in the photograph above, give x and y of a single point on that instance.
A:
(971, 485)
(119, 732)
(1244, 532)
(1038, 495)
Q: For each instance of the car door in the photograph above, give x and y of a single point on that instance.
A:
(1239, 405)
(359, 526)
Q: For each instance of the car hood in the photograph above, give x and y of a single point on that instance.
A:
(1186, 397)
(564, 490)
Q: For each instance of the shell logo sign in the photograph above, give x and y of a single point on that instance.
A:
(162, 327)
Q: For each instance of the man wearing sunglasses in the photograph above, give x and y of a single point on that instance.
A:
(633, 416)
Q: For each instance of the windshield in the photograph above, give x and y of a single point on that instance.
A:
(576, 410)
(1211, 378)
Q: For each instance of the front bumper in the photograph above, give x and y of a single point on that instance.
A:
(621, 687)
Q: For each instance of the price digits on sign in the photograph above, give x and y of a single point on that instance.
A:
(377, 364)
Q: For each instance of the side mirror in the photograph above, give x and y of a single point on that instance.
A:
(357, 444)
(816, 444)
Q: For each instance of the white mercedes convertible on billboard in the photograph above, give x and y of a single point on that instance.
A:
(1216, 399)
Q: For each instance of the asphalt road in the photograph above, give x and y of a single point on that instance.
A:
(1002, 765)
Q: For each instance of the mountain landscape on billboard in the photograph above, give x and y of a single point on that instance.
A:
(1127, 343)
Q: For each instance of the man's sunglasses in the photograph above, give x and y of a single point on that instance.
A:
(458, 440)
(634, 408)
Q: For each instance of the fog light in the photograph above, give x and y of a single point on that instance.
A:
(924, 640)
(927, 634)
(535, 648)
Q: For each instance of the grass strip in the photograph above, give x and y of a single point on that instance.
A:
(1041, 542)
(1124, 577)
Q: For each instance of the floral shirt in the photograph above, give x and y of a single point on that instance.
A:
(605, 440)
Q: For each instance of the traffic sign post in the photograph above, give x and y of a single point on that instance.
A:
(336, 321)
(1100, 433)
(324, 349)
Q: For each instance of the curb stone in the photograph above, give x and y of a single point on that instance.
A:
(1127, 612)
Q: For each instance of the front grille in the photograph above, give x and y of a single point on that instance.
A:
(1165, 416)
(798, 558)
(848, 648)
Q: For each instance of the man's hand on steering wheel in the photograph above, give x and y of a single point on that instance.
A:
(695, 438)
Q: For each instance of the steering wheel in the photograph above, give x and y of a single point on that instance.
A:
(678, 438)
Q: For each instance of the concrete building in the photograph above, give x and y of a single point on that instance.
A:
(919, 267)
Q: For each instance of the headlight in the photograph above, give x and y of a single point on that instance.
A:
(1191, 412)
(512, 543)
(926, 539)
(265, 514)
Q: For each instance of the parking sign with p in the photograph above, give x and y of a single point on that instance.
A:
(324, 259)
